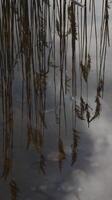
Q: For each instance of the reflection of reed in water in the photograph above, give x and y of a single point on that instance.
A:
(29, 31)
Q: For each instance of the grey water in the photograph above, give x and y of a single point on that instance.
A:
(90, 177)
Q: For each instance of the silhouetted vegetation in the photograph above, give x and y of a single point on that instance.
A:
(36, 37)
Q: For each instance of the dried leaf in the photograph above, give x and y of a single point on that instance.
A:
(13, 189)
(97, 110)
(71, 18)
(40, 82)
(100, 88)
(87, 114)
(67, 83)
(85, 68)
(83, 106)
(58, 26)
(78, 112)
(74, 145)
(61, 149)
(61, 153)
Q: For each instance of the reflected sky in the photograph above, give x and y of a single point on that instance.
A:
(90, 178)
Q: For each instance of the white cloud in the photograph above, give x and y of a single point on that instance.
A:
(96, 184)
